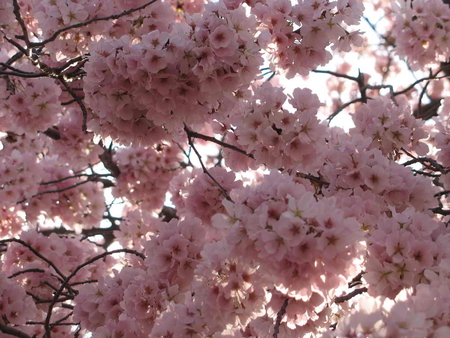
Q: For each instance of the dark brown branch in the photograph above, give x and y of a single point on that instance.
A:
(15, 44)
(85, 232)
(280, 316)
(350, 295)
(26, 75)
(433, 164)
(85, 23)
(85, 282)
(25, 271)
(16, 11)
(442, 193)
(167, 214)
(407, 89)
(356, 280)
(52, 133)
(11, 60)
(68, 102)
(91, 177)
(14, 69)
(440, 211)
(382, 86)
(13, 332)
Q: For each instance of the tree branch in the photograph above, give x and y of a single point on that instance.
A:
(280, 316)
(13, 332)
(349, 296)
(16, 11)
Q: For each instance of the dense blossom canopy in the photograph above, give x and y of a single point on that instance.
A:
(219, 169)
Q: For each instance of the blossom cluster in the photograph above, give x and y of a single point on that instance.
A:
(351, 165)
(136, 228)
(20, 175)
(244, 254)
(76, 201)
(11, 221)
(305, 246)
(421, 31)
(422, 313)
(391, 127)
(16, 307)
(400, 248)
(7, 17)
(54, 15)
(171, 78)
(146, 173)
(200, 196)
(277, 137)
(65, 254)
(298, 35)
(29, 105)
(135, 297)
(72, 146)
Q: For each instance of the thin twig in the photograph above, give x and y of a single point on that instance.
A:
(55, 191)
(79, 101)
(335, 74)
(191, 143)
(25, 271)
(435, 166)
(407, 89)
(440, 211)
(341, 108)
(194, 134)
(92, 178)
